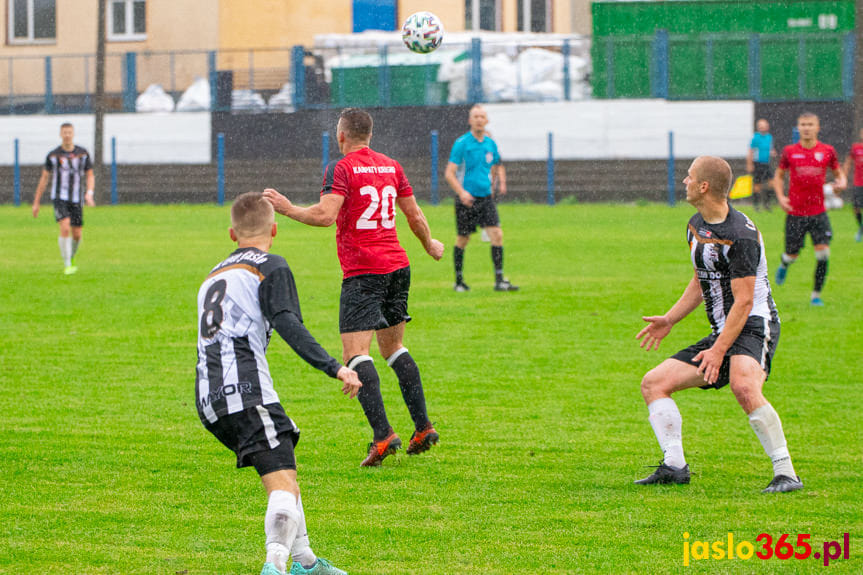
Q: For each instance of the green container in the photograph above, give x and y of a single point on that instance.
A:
(801, 47)
(409, 85)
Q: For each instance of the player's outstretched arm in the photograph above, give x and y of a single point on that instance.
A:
(659, 326)
(323, 214)
(420, 226)
(295, 334)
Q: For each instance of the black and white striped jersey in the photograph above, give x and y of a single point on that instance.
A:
(239, 304)
(725, 251)
(68, 173)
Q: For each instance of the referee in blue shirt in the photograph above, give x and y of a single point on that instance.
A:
(473, 170)
(761, 151)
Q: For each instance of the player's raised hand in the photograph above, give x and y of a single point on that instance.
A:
(658, 327)
(280, 203)
(435, 249)
(351, 381)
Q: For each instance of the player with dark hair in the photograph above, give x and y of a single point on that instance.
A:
(807, 162)
(243, 299)
(758, 158)
(71, 172)
(477, 155)
(360, 193)
(855, 159)
(730, 279)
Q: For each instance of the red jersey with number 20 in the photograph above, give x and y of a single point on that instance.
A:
(807, 168)
(366, 236)
(857, 156)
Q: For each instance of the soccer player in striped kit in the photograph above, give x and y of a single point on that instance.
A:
(242, 300)
(730, 279)
(69, 169)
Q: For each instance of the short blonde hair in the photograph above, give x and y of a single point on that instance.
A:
(716, 172)
(252, 215)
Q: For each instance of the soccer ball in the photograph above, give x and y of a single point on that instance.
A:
(422, 32)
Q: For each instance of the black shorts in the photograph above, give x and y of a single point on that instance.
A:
(262, 436)
(758, 340)
(763, 173)
(858, 197)
(796, 228)
(71, 210)
(374, 301)
(482, 213)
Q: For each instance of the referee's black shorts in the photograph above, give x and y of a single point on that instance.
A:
(796, 228)
(762, 173)
(758, 340)
(374, 301)
(482, 213)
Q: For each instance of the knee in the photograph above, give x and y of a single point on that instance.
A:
(651, 386)
(822, 254)
(747, 394)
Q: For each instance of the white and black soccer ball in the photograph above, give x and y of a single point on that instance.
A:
(422, 32)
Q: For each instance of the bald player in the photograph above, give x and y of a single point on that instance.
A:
(730, 279)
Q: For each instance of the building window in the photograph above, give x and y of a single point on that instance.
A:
(32, 21)
(489, 15)
(539, 15)
(127, 20)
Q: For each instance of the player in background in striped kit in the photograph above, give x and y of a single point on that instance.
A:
(243, 299)
(69, 169)
(731, 280)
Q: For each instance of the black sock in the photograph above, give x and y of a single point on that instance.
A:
(458, 258)
(820, 274)
(412, 388)
(859, 216)
(370, 398)
(497, 260)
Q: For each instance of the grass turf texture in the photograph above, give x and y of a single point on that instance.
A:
(106, 468)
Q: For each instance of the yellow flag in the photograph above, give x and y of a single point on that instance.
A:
(742, 187)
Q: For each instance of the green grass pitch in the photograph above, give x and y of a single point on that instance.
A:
(105, 468)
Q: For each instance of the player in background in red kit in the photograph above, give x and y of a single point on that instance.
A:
(806, 163)
(360, 192)
(855, 158)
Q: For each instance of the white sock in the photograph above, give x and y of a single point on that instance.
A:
(65, 249)
(75, 244)
(280, 525)
(667, 425)
(301, 551)
(766, 425)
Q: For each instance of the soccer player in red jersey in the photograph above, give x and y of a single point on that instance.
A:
(360, 192)
(855, 158)
(807, 162)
